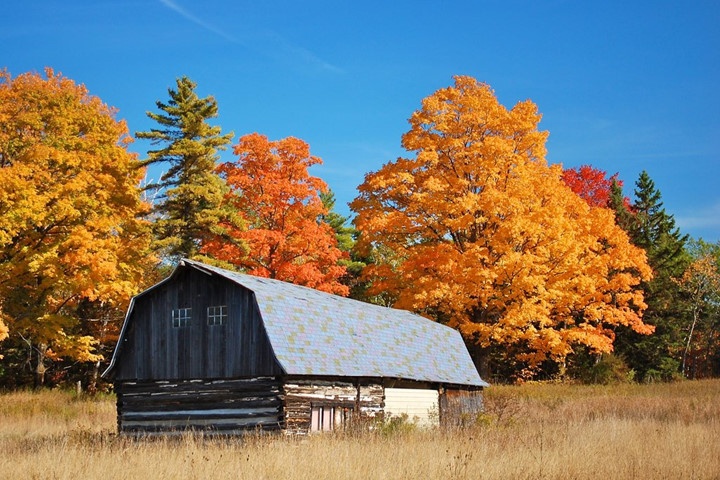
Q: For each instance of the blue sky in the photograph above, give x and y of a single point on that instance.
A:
(624, 86)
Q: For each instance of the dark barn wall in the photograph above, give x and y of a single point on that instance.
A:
(219, 406)
(156, 350)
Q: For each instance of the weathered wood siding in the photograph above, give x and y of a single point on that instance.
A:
(221, 406)
(154, 349)
(460, 407)
(365, 401)
(420, 405)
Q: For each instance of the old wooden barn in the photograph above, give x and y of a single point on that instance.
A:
(216, 350)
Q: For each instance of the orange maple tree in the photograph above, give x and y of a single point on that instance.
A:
(70, 203)
(486, 237)
(279, 201)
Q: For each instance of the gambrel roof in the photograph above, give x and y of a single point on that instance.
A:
(315, 333)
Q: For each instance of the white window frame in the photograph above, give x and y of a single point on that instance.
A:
(217, 315)
(181, 317)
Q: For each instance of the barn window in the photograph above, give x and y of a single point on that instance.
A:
(181, 317)
(217, 315)
(324, 418)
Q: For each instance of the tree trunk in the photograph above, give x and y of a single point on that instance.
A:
(40, 368)
(92, 384)
(696, 314)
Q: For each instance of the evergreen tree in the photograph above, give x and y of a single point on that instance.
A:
(620, 204)
(346, 236)
(653, 229)
(190, 207)
(339, 223)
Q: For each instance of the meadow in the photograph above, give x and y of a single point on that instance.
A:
(534, 431)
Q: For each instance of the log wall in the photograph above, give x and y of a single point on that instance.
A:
(365, 401)
(220, 406)
(268, 403)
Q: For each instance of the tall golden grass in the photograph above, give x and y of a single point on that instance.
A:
(662, 431)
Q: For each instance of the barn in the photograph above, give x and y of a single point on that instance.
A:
(215, 350)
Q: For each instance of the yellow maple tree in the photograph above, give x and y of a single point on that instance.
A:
(487, 238)
(70, 207)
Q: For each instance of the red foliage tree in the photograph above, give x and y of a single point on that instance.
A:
(279, 201)
(591, 184)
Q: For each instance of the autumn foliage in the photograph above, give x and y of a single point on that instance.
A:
(591, 184)
(701, 285)
(486, 237)
(279, 202)
(473, 228)
(69, 207)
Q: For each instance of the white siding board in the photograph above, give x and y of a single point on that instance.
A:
(420, 405)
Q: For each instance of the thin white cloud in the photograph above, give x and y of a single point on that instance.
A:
(304, 54)
(276, 46)
(708, 217)
(197, 20)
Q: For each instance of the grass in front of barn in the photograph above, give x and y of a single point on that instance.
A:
(532, 431)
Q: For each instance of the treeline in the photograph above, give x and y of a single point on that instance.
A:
(547, 273)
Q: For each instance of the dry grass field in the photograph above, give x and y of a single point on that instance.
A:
(547, 431)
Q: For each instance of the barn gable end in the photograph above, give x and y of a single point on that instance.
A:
(155, 346)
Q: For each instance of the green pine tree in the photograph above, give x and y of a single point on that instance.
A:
(190, 208)
(620, 204)
(345, 236)
(653, 229)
